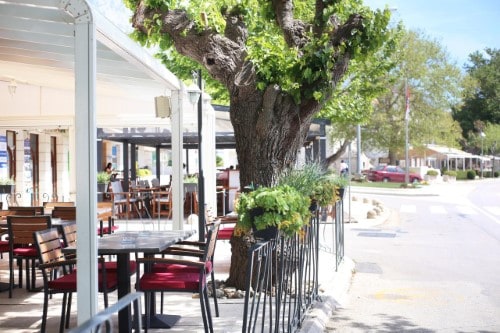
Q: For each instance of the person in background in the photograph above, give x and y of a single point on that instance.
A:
(344, 168)
(109, 168)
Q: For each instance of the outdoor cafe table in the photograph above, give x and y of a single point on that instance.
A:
(122, 244)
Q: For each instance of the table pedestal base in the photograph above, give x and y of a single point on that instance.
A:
(161, 321)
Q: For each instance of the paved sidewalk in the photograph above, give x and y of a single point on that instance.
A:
(22, 313)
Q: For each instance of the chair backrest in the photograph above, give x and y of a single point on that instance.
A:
(69, 234)
(25, 211)
(49, 246)
(21, 228)
(213, 230)
(155, 182)
(117, 189)
(64, 213)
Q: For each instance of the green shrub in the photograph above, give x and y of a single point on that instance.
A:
(451, 173)
(471, 174)
(432, 172)
(495, 174)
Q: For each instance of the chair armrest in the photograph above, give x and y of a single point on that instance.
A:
(184, 252)
(150, 260)
(60, 263)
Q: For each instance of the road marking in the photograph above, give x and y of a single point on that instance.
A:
(495, 210)
(408, 209)
(437, 210)
(466, 210)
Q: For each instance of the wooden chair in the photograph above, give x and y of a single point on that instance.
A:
(67, 213)
(188, 276)
(192, 249)
(13, 211)
(17, 209)
(21, 246)
(52, 260)
(162, 203)
(48, 206)
(123, 202)
(105, 213)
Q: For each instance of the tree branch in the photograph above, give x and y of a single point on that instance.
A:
(222, 57)
(294, 31)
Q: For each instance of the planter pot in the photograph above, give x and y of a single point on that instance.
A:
(265, 234)
(6, 189)
(341, 193)
(101, 190)
(314, 206)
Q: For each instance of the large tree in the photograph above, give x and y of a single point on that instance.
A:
(279, 60)
(424, 71)
(482, 98)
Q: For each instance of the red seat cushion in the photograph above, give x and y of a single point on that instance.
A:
(112, 266)
(169, 281)
(105, 230)
(4, 246)
(178, 268)
(225, 233)
(29, 251)
(66, 283)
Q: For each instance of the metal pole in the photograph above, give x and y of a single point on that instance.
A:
(481, 161)
(201, 179)
(358, 149)
(407, 118)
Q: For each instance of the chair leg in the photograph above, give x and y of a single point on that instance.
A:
(44, 314)
(214, 292)
(147, 300)
(205, 311)
(68, 309)
(11, 275)
(63, 313)
(20, 278)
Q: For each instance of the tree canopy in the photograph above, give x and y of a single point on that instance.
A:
(422, 70)
(482, 98)
(281, 59)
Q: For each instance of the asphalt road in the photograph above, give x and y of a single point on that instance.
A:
(434, 266)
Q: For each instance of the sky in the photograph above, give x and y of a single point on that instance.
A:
(461, 26)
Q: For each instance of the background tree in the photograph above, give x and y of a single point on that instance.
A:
(423, 66)
(352, 101)
(279, 60)
(482, 98)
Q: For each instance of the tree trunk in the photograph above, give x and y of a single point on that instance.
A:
(269, 132)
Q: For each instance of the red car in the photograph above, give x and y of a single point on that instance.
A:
(391, 173)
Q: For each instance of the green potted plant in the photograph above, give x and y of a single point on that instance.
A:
(449, 176)
(310, 181)
(274, 209)
(7, 185)
(103, 179)
(340, 185)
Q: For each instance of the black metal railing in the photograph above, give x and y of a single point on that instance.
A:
(102, 321)
(282, 278)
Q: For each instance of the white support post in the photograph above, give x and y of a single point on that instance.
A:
(85, 156)
(177, 149)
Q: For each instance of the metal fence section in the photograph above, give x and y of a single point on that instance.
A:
(282, 278)
(102, 321)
